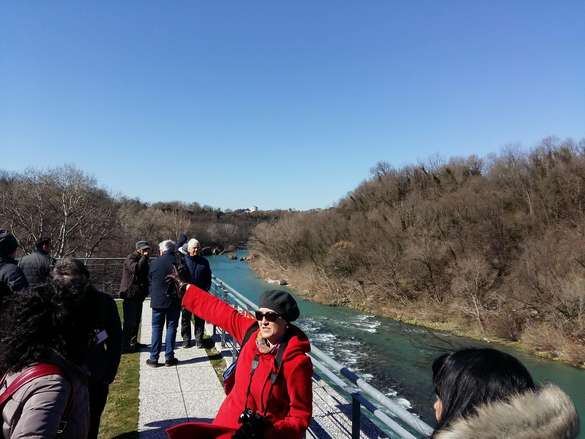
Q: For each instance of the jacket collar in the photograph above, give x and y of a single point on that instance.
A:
(547, 413)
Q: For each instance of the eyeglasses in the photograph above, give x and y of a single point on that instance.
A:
(271, 316)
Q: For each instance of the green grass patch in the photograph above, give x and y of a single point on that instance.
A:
(216, 360)
(120, 417)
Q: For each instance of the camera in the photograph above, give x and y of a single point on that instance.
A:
(253, 425)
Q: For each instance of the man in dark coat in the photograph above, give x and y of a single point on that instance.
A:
(38, 265)
(165, 304)
(106, 349)
(199, 274)
(134, 289)
(12, 278)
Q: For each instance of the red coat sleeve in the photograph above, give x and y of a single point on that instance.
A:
(216, 311)
(298, 377)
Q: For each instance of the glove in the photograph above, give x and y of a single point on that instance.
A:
(175, 278)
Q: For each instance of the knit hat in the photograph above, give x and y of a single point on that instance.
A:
(141, 245)
(281, 302)
(8, 243)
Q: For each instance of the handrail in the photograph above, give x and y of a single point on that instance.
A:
(329, 368)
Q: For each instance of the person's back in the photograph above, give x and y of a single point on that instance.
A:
(58, 400)
(165, 304)
(12, 278)
(104, 350)
(36, 267)
(47, 404)
(162, 292)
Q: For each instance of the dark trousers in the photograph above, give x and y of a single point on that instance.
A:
(98, 395)
(132, 318)
(199, 325)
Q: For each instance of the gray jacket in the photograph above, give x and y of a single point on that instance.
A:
(11, 277)
(547, 413)
(35, 410)
(36, 267)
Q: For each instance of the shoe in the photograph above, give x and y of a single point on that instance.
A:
(187, 344)
(152, 363)
(171, 362)
(134, 348)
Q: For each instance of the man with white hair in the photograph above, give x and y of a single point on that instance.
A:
(165, 304)
(199, 274)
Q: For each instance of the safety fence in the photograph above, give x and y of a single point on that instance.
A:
(105, 273)
(390, 415)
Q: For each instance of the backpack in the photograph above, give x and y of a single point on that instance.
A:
(229, 375)
(26, 376)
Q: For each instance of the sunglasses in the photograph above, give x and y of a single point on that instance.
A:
(271, 316)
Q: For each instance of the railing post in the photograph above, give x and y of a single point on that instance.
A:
(224, 298)
(355, 417)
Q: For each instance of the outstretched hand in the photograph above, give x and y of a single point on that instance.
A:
(175, 277)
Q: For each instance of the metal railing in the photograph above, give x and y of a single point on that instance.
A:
(389, 413)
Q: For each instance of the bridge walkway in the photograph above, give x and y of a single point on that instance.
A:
(191, 391)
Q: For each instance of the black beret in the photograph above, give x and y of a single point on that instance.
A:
(7, 243)
(281, 302)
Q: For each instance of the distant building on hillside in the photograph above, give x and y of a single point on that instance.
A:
(252, 209)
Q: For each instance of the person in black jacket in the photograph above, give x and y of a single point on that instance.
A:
(12, 278)
(134, 289)
(38, 265)
(199, 274)
(165, 304)
(105, 349)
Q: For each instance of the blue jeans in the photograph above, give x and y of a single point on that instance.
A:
(159, 316)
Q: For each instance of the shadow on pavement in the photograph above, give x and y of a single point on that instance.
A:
(156, 430)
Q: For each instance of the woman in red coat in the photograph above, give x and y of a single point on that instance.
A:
(277, 398)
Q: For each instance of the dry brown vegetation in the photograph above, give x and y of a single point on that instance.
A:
(493, 247)
(85, 220)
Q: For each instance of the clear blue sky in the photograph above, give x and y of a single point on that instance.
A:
(280, 103)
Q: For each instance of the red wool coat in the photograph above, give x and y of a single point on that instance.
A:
(290, 406)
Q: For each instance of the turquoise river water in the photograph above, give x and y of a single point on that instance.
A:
(393, 356)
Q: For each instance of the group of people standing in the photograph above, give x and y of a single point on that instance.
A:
(61, 341)
(60, 345)
(140, 278)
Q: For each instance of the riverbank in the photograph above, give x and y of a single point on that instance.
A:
(314, 287)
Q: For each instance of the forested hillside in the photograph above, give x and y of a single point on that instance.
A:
(85, 220)
(494, 247)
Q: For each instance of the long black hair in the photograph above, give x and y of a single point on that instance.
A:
(468, 378)
(38, 323)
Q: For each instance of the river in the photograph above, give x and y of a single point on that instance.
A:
(393, 356)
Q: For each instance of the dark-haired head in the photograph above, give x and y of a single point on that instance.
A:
(467, 378)
(43, 244)
(70, 273)
(38, 323)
